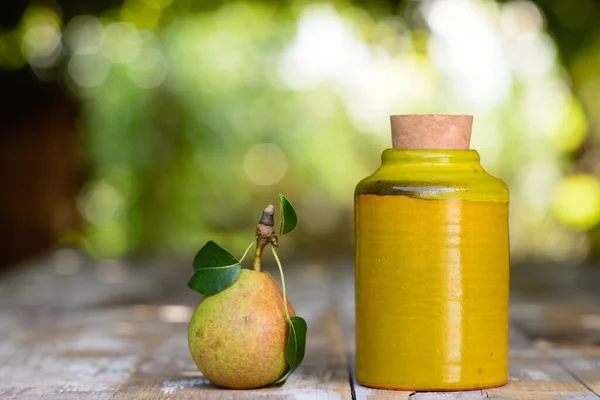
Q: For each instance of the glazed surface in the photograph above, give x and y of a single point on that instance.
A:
(433, 174)
(431, 273)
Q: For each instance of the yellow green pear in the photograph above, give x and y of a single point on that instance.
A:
(238, 337)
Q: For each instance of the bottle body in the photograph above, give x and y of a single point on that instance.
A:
(431, 269)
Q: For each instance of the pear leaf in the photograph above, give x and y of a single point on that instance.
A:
(287, 218)
(296, 345)
(296, 342)
(213, 255)
(216, 269)
(213, 280)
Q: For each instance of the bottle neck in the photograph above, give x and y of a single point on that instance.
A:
(430, 158)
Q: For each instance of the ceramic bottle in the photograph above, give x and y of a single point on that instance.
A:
(431, 263)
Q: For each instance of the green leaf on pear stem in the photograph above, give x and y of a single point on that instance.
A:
(296, 342)
(213, 280)
(216, 269)
(212, 255)
(287, 217)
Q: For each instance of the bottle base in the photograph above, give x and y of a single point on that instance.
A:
(432, 389)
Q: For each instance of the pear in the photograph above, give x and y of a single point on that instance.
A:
(238, 337)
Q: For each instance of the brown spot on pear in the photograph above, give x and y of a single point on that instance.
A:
(238, 337)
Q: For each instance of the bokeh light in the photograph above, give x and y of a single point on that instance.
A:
(41, 43)
(121, 42)
(148, 69)
(577, 202)
(265, 164)
(84, 34)
(100, 202)
(228, 105)
(88, 69)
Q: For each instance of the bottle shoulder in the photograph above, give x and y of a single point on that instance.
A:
(474, 184)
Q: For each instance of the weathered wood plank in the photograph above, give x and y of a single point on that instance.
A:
(539, 379)
(169, 372)
(530, 379)
(73, 328)
(587, 370)
(80, 357)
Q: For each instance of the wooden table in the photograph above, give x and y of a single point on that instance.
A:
(74, 328)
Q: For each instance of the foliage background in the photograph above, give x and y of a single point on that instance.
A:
(194, 115)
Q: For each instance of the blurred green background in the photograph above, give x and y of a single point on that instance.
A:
(189, 117)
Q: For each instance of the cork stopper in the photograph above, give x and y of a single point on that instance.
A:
(431, 132)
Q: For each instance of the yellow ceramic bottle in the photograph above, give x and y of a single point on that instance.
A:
(432, 263)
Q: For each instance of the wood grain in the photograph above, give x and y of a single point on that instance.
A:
(74, 328)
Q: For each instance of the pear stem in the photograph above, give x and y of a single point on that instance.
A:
(258, 256)
(287, 314)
